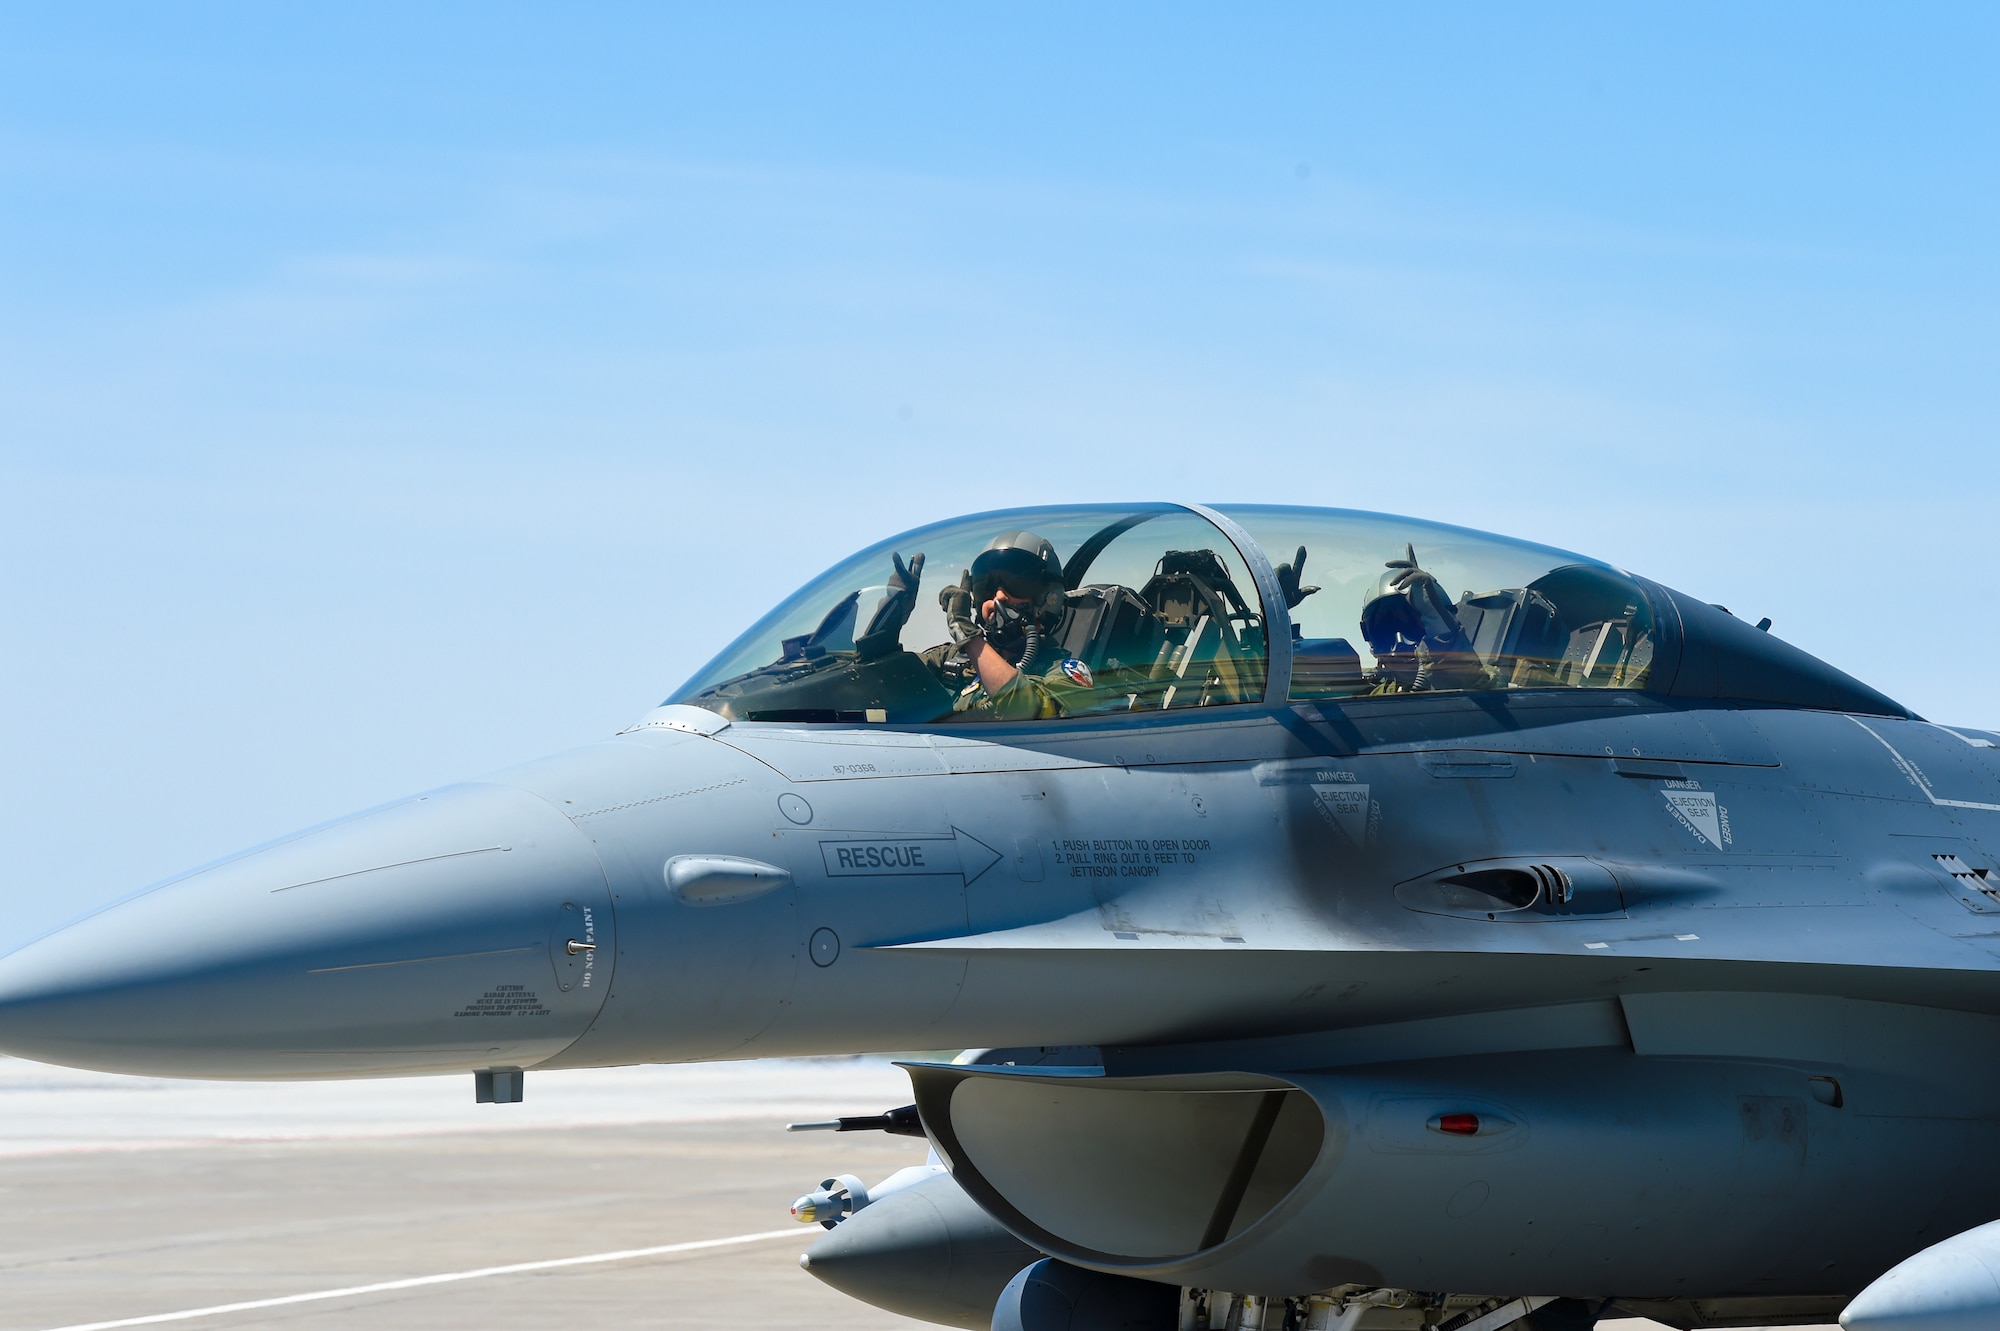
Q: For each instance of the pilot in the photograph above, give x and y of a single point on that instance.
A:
(1412, 627)
(1002, 617)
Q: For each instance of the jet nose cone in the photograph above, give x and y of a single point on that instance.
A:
(466, 928)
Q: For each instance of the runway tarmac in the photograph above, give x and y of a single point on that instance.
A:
(127, 1201)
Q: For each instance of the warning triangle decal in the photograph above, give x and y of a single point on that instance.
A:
(1696, 811)
(1346, 807)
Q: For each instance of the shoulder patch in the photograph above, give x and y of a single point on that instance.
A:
(1077, 671)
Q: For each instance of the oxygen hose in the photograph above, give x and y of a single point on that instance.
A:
(1031, 642)
(1004, 618)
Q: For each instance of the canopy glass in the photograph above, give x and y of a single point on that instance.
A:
(1405, 606)
(1131, 608)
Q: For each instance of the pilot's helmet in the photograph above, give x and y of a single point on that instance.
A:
(1023, 565)
(1407, 601)
(1387, 614)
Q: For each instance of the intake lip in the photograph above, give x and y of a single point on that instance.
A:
(1132, 1174)
(417, 937)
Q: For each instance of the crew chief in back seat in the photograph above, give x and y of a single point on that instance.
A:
(1002, 617)
(1411, 625)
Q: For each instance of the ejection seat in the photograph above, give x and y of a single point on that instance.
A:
(1187, 638)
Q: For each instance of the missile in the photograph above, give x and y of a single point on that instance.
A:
(834, 1200)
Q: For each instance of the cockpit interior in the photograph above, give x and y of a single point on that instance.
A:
(1079, 611)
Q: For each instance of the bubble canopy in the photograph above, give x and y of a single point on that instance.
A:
(1103, 609)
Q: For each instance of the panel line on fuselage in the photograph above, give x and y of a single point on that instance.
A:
(1916, 777)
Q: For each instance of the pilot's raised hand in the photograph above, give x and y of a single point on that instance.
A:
(885, 627)
(1408, 563)
(1288, 580)
(960, 618)
(1425, 594)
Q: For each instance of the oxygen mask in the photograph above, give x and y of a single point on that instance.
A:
(1012, 630)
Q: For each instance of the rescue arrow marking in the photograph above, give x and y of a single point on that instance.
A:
(907, 856)
(418, 1282)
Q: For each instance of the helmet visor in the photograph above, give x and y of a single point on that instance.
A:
(1019, 573)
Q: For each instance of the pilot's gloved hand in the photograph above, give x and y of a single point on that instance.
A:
(1288, 580)
(1409, 570)
(961, 619)
(885, 627)
(1425, 594)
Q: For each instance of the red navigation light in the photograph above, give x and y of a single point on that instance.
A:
(1459, 1125)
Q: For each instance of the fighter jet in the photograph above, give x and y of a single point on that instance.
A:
(1353, 922)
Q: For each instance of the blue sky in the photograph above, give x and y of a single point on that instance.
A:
(387, 397)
